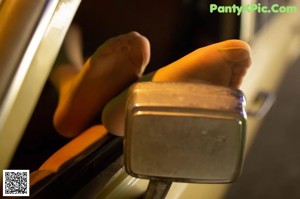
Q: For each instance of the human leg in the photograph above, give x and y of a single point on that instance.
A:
(82, 94)
(223, 64)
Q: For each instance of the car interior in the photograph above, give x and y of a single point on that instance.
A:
(91, 165)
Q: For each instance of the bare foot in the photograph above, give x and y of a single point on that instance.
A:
(223, 64)
(114, 66)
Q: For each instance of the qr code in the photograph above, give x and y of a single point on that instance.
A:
(15, 182)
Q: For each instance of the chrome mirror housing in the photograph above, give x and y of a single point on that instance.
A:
(184, 132)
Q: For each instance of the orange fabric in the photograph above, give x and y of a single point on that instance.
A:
(74, 147)
(38, 175)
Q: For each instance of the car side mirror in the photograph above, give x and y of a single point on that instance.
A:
(184, 132)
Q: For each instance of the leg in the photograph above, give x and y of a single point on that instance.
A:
(223, 64)
(83, 94)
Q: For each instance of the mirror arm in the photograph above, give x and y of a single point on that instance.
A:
(157, 189)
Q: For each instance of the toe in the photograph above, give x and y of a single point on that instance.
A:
(234, 50)
(139, 52)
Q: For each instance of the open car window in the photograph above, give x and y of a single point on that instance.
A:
(28, 52)
(40, 27)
